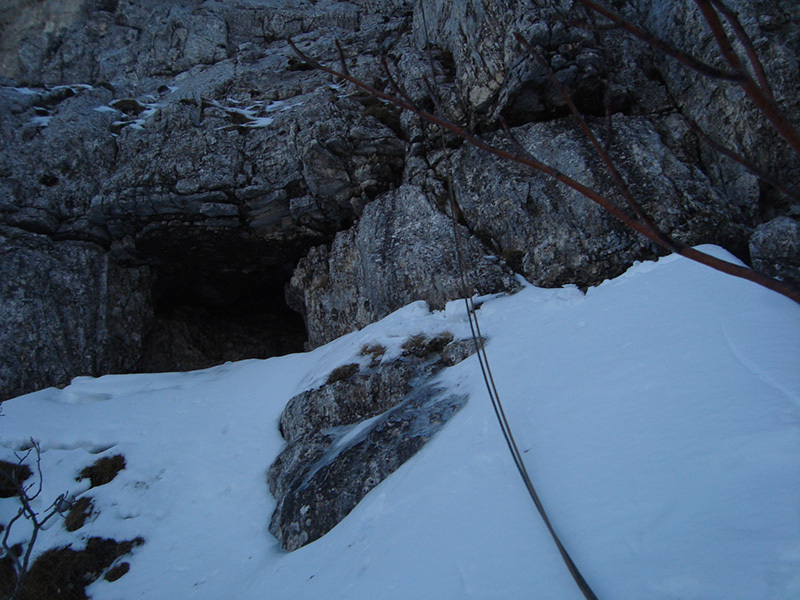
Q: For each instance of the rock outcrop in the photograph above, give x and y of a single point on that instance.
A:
(211, 173)
(401, 250)
(775, 249)
(722, 109)
(67, 308)
(347, 436)
(553, 235)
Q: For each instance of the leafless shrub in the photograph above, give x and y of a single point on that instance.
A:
(56, 571)
(20, 555)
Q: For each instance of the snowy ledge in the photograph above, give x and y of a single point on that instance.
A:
(659, 414)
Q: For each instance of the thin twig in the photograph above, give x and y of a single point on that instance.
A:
(21, 564)
(747, 44)
(718, 31)
(514, 141)
(747, 164)
(341, 57)
(432, 95)
(398, 89)
(609, 124)
(664, 47)
(678, 247)
(8, 550)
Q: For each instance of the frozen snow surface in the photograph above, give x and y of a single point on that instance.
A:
(658, 414)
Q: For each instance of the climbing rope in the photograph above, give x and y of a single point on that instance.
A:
(483, 359)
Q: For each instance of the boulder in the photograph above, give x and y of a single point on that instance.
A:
(775, 249)
(348, 435)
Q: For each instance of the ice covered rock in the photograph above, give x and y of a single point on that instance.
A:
(348, 435)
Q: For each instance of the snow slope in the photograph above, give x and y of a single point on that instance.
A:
(659, 415)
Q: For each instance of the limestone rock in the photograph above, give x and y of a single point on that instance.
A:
(479, 38)
(553, 235)
(721, 109)
(775, 249)
(347, 436)
(187, 141)
(402, 250)
(57, 152)
(494, 77)
(126, 42)
(241, 195)
(67, 309)
(178, 141)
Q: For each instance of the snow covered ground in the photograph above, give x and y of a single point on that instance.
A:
(659, 416)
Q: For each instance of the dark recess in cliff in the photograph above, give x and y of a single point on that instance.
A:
(214, 303)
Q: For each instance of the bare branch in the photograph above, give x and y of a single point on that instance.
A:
(655, 236)
(747, 164)
(664, 47)
(514, 141)
(6, 548)
(341, 57)
(398, 89)
(40, 479)
(747, 44)
(718, 31)
(433, 96)
(26, 511)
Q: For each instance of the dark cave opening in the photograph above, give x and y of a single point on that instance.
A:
(205, 321)
(217, 296)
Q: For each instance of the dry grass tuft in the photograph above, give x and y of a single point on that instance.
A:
(343, 372)
(103, 470)
(420, 345)
(80, 510)
(375, 350)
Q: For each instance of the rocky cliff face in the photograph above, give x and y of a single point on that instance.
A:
(177, 189)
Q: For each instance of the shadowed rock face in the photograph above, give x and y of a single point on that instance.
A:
(401, 250)
(347, 436)
(63, 306)
(723, 110)
(775, 248)
(554, 236)
(182, 168)
(208, 186)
